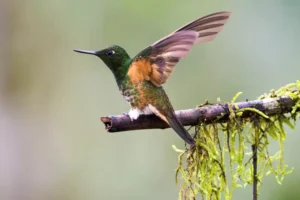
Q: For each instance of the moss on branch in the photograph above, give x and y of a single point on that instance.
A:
(243, 142)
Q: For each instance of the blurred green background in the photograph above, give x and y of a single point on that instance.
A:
(52, 144)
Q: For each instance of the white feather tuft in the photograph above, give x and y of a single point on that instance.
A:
(135, 112)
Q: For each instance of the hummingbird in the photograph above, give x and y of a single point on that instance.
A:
(140, 78)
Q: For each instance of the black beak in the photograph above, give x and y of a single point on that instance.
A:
(86, 52)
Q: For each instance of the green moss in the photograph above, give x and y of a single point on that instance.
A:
(222, 158)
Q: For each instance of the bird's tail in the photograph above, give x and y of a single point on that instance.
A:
(179, 129)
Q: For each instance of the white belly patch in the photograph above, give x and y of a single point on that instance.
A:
(135, 113)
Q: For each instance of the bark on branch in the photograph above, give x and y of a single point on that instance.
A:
(205, 114)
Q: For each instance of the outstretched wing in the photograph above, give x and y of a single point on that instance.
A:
(156, 62)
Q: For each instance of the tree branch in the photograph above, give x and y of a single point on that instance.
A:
(206, 114)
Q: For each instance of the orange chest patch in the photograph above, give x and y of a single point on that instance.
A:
(139, 70)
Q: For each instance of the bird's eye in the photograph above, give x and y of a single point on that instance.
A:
(110, 52)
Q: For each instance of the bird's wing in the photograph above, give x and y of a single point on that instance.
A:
(156, 62)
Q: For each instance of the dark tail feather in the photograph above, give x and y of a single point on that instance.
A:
(179, 129)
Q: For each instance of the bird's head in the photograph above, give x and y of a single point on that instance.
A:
(114, 57)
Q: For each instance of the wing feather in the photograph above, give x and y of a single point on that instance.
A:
(163, 55)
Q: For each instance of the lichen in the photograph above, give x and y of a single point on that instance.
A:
(222, 158)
